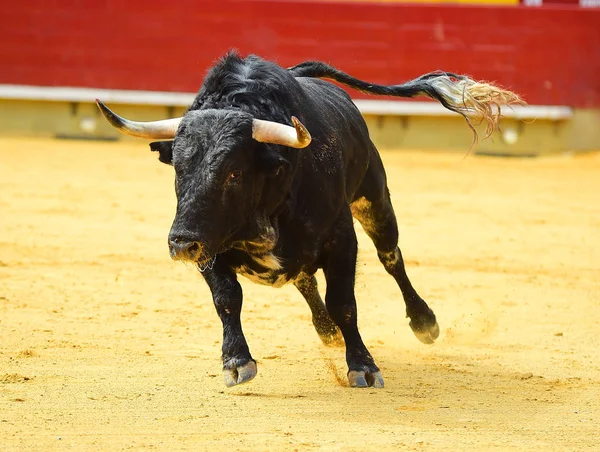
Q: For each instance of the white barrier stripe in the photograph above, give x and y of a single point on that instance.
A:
(177, 99)
(115, 96)
(400, 108)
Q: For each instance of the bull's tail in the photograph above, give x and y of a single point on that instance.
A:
(455, 92)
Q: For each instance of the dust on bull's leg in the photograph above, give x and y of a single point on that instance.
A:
(340, 268)
(238, 365)
(324, 325)
(422, 319)
(379, 222)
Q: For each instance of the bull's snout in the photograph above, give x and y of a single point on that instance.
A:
(182, 249)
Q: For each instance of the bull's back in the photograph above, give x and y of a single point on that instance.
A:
(341, 145)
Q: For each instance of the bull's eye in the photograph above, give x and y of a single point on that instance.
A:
(235, 175)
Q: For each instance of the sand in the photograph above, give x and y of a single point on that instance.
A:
(106, 344)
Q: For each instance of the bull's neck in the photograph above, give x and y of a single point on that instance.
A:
(259, 237)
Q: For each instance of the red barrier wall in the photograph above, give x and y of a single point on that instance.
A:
(550, 55)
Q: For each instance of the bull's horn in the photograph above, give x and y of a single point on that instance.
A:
(165, 129)
(276, 133)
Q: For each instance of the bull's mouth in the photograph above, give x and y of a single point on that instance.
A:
(206, 263)
(192, 255)
(195, 251)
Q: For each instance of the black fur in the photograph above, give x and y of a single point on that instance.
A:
(277, 214)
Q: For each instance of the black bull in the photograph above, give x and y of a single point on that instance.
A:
(275, 202)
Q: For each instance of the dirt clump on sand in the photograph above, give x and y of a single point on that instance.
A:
(105, 343)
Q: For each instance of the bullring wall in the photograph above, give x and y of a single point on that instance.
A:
(550, 54)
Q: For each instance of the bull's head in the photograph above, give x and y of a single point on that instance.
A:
(224, 166)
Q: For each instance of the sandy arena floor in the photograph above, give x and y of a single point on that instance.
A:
(105, 343)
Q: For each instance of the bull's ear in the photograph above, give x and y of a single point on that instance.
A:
(164, 149)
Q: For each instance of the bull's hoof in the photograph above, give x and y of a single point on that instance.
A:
(240, 374)
(426, 332)
(365, 379)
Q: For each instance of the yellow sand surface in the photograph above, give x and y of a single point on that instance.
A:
(107, 344)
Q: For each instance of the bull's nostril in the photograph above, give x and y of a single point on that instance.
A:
(181, 248)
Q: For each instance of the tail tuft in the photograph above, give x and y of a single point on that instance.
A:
(473, 99)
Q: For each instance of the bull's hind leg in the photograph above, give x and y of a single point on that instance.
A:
(379, 222)
(325, 327)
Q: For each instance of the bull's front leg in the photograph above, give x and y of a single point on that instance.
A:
(340, 269)
(238, 364)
